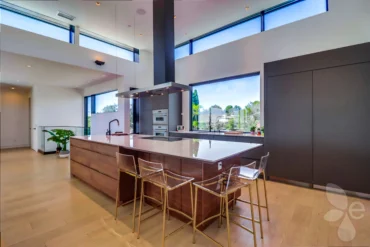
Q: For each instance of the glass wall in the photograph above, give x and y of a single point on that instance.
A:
(228, 35)
(106, 102)
(294, 12)
(227, 105)
(29, 24)
(98, 45)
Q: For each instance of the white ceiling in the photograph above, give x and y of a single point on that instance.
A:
(119, 20)
(44, 72)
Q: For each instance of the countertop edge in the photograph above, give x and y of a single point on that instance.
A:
(195, 158)
(214, 134)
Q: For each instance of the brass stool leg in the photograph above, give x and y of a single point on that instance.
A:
(134, 213)
(227, 221)
(220, 218)
(259, 208)
(195, 213)
(191, 200)
(117, 194)
(252, 215)
(267, 205)
(168, 207)
(164, 216)
(141, 206)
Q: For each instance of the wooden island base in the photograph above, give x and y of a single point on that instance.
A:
(95, 164)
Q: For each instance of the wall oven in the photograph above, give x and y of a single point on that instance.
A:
(160, 116)
(160, 130)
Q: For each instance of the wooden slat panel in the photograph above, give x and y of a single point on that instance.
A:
(105, 149)
(80, 171)
(106, 165)
(104, 183)
(82, 156)
(80, 143)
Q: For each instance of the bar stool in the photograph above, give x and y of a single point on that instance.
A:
(126, 164)
(222, 186)
(153, 173)
(250, 173)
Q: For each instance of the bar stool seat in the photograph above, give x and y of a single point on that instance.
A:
(249, 172)
(168, 180)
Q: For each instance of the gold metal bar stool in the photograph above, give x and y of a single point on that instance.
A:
(222, 186)
(167, 181)
(127, 164)
(250, 173)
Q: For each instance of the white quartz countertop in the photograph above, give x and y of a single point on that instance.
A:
(216, 133)
(205, 150)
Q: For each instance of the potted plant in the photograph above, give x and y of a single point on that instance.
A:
(263, 130)
(253, 130)
(259, 131)
(61, 138)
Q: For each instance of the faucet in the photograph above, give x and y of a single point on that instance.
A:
(109, 130)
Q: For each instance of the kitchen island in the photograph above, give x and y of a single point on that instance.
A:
(93, 161)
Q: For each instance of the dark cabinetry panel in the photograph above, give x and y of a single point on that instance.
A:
(341, 127)
(289, 126)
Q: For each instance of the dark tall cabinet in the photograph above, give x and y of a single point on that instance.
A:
(290, 112)
(317, 116)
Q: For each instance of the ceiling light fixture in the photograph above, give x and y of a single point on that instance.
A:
(246, 8)
(97, 3)
(13, 88)
(174, 17)
(29, 66)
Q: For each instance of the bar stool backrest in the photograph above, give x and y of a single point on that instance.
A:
(263, 163)
(148, 168)
(237, 176)
(127, 163)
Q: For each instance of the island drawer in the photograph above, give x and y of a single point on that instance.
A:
(105, 149)
(80, 171)
(105, 164)
(104, 183)
(82, 156)
(80, 144)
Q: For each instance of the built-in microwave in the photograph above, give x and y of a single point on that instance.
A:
(160, 116)
(160, 130)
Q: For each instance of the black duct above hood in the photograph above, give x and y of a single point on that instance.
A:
(158, 90)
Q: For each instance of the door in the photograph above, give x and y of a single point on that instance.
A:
(341, 127)
(288, 126)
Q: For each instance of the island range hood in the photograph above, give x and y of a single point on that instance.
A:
(163, 54)
(157, 90)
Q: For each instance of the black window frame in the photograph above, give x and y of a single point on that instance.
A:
(210, 82)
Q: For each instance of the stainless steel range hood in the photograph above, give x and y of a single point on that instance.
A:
(157, 90)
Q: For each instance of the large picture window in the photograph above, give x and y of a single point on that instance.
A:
(106, 102)
(226, 105)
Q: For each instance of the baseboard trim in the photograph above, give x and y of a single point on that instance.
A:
(15, 147)
(45, 153)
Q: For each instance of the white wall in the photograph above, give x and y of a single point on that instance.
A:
(15, 124)
(13, 40)
(55, 106)
(346, 23)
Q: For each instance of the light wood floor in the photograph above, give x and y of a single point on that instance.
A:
(42, 206)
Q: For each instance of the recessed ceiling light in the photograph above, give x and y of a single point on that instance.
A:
(246, 8)
(141, 34)
(97, 3)
(13, 88)
(29, 66)
(174, 16)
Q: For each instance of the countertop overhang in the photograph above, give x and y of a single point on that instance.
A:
(216, 133)
(204, 150)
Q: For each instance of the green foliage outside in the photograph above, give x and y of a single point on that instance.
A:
(110, 108)
(196, 108)
(60, 137)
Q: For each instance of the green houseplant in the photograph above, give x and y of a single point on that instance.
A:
(61, 138)
(253, 130)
